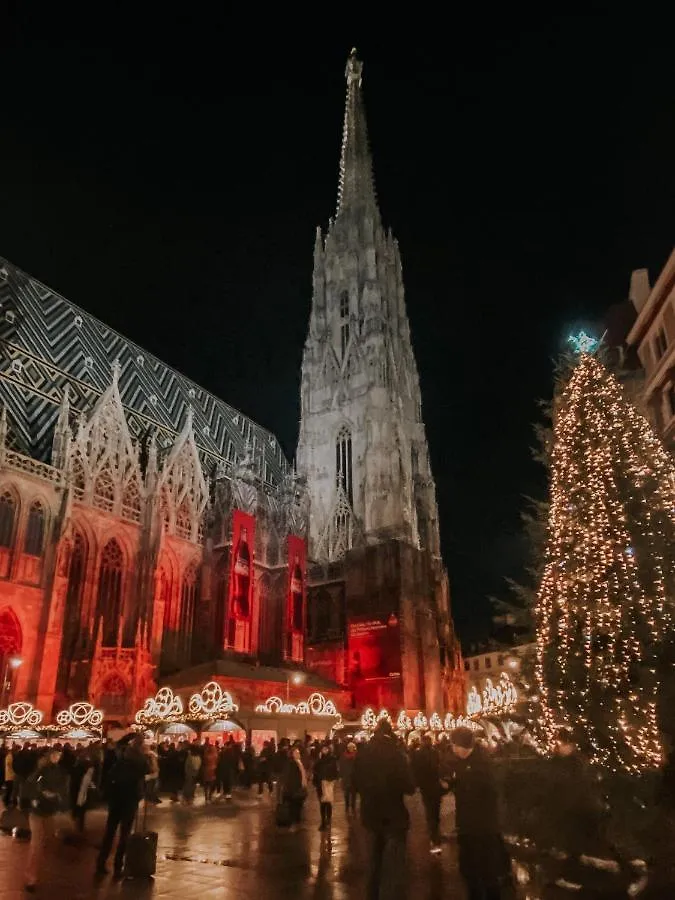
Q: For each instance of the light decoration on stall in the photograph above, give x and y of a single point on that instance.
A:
(435, 722)
(315, 705)
(165, 706)
(383, 716)
(404, 722)
(450, 723)
(211, 703)
(368, 720)
(420, 721)
(80, 715)
(20, 714)
(603, 608)
(496, 699)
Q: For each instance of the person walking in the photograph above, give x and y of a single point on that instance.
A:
(294, 787)
(325, 775)
(9, 795)
(45, 794)
(383, 779)
(346, 764)
(426, 769)
(123, 788)
(483, 859)
(193, 765)
(209, 769)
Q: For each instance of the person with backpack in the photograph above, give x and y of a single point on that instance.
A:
(123, 789)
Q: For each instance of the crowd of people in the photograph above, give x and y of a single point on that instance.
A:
(376, 776)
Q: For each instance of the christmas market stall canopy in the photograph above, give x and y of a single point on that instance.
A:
(214, 711)
(22, 722)
(414, 727)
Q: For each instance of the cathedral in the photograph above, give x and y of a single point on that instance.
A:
(152, 534)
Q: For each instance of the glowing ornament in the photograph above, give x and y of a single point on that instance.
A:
(368, 720)
(404, 722)
(435, 722)
(420, 721)
(315, 705)
(582, 342)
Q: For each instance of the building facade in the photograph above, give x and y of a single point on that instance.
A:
(145, 526)
(379, 609)
(149, 532)
(653, 337)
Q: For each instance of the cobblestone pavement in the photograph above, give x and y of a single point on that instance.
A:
(234, 850)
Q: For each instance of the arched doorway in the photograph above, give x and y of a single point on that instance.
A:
(11, 642)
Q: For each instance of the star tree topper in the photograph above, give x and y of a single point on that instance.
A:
(582, 342)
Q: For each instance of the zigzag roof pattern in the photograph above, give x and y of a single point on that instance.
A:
(47, 342)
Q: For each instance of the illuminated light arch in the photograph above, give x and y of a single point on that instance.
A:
(315, 705)
(420, 721)
(404, 722)
(212, 702)
(368, 720)
(80, 715)
(165, 706)
(435, 722)
(20, 714)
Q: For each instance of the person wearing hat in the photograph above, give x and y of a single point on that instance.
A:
(483, 859)
(382, 778)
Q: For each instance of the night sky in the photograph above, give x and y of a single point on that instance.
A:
(168, 176)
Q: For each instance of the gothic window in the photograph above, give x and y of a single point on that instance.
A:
(296, 597)
(343, 462)
(104, 491)
(10, 646)
(78, 477)
(73, 610)
(131, 501)
(242, 577)
(35, 529)
(344, 305)
(165, 598)
(184, 521)
(344, 338)
(109, 606)
(7, 518)
(188, 599)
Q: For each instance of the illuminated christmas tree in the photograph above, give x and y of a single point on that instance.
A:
(604, 608)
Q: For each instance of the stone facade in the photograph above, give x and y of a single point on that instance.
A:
(124, 560)
(363, 452)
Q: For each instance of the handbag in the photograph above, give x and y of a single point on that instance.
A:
(327, 791)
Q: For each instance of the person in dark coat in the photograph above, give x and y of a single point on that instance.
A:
(45, 794)
(483, 859)
(382, 777)
(426, 769)
(325, 774)
(294, 786)
(123, 789)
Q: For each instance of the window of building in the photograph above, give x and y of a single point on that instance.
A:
(7, 517)
(188, 596)
(500, 659)
(73, 610)
(488, 662)
(344, 305)
(467, 665)
(343, 462)
(476, 665)
(660, 343)
(35, 529)
(344, 338)
(109, 607)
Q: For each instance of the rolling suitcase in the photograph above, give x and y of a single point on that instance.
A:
(141, 856)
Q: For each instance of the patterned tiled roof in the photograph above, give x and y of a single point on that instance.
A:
(47, 342)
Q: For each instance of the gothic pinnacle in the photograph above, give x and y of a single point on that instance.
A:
(356, 189)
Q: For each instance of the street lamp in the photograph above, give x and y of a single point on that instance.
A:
(12, 663)
(296, 678)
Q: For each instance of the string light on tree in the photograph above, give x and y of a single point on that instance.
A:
(604, 603)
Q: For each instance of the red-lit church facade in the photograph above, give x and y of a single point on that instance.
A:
(119, 567)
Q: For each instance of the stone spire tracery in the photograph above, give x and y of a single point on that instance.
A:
(360, 397)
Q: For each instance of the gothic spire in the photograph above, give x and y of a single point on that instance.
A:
(357, 188)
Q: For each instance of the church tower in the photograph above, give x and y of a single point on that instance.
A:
(378, 609)
(362, 447)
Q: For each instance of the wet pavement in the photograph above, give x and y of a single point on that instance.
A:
(234, 850)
